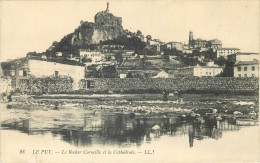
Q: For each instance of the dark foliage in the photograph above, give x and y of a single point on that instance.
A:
(173, 52)
(109, 72)
(119, 57)
(228, 70)
(220, 61)
(133, 43)
(189, 61)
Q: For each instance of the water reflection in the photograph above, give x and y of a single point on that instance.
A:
(127, 129)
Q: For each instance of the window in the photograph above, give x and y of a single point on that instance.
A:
(239, 75)
(245, 68)
(56, 73)
(24, 81)
(13, 83)
(20, 72)
(245, 75)
(238, 68)
(253, 75)
(24, 73)
(12, 73)
(253, 68)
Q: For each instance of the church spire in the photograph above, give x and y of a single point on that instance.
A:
(107, 10)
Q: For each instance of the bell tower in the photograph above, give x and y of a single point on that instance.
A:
(190, 38)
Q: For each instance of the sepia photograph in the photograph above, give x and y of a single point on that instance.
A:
(129, 81)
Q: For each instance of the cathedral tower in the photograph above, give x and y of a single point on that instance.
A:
(191, 38)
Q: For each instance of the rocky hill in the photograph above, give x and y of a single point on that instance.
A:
(106, 27)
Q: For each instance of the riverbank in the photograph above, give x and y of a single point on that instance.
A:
(243, 107)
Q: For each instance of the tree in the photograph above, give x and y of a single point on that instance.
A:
(32, 54)
(173, 51)
(196, 53)
(166, 58)
(149, 51)
(84, 60)
(138, 33)
(188, 61)
(109, 72)
(119, 57)
(210, 54)
(129, 75)
(133, 43)
(149, 37)
(220, 61)
(228, 70)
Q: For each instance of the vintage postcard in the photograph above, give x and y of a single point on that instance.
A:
(129, 81)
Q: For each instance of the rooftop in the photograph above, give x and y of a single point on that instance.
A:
(88, 50)
(200, 67)
(229, 49)
(246, 53)
(254, 62)
(21, 61)
(60, 60)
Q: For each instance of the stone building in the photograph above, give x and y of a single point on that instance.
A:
(246, 69)
(201, 43)
(225, 52)
(243, 57)
(200, 71)
(154, 42)
(6, 83)
(20, 70)
(15, 70)
(172, 45)
(94, 55)
(215, 44)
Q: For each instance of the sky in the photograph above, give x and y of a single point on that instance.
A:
(27, 26)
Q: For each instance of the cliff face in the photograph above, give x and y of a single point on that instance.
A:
(92, 33)
(106, 33)
(106, 27)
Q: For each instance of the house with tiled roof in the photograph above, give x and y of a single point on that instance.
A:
(246, 69)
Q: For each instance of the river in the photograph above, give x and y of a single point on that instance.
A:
(67, 135)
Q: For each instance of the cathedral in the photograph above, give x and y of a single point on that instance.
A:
(200, 43)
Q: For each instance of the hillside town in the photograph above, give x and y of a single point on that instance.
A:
(104, 57)
(125, 54)
(105, 86)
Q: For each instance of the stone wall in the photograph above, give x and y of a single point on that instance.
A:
(5, 84)
(193, 84)
(216, 84)
(45, 85)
